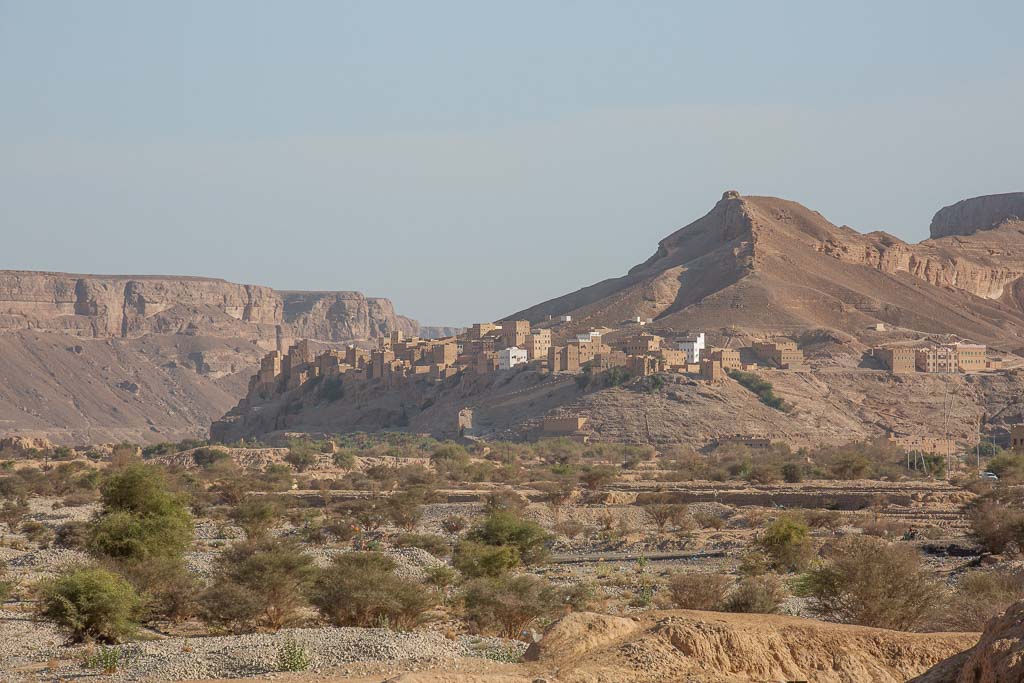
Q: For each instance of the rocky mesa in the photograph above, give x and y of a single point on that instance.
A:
(131, 306)
(93, 358)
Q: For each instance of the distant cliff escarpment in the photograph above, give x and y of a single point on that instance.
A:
(102, 358)
(969, 216)
(126, 306)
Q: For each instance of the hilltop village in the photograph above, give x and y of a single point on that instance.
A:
(490, 347)
(556, 348)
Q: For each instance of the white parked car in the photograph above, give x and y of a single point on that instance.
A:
(992, 476)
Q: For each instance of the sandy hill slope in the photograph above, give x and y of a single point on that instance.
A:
(94, 358)
(763, 265)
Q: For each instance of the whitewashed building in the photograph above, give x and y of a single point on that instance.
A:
(511, 357)
(692, 345)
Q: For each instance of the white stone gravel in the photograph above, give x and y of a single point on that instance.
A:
(256, 654)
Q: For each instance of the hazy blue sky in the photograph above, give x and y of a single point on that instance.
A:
(468, 159)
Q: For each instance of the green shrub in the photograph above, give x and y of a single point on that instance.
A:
(292, 657)
(302, 454)
(361, 589)
(256, 515)
(276, 574)
(90, 603)
(140, 518)
(507, 605)
(699, 591)
(107, 659)
(792, 473)
(432, 543)
(870, 582)
(504, 528)
(344, 459)
(787, 542)
(480, 559)
(760, 386)
(209, 458)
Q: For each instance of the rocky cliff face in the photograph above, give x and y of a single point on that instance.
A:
(130, 306)
(968, 216)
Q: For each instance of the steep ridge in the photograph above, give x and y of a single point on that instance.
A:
(764, 265)
(88, 358)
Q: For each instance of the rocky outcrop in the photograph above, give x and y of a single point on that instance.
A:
(968, 216)
(133, 306)
(718, 647)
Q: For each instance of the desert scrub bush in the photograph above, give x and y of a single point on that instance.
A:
(504, 500)
(37, 532)
(209, 458)
(699, 591)
(761, 387)
(454, 524)
(256, 515)
(507, 605)
(258, 583)
(824, 519)
(344, 459)
(792, 472)
(787, 542)
(168, 590)
(405, 508)
(140, 518)
(978, 597)
(480, 559)
(708, 520)
(757, 594)
(302, 454)
(361, 589)
(292, 657)
(90, 603)
(664, 513)
(432, 543)
(6, 585)
(997, 520)
(507, 529)
(870, 582)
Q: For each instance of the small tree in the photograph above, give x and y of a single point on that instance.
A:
(140, 517)
(256, 515)
(480, 559)
(90, 603)
(508, 529)
(302, 455)
(870, 582)
(507, 605)
(664, 513)
(275, 574)
(361, 589)
(405, 508)
(787, 542)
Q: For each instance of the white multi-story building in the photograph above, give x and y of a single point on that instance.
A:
(587, 337)
(692, 345)
(511, 357)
